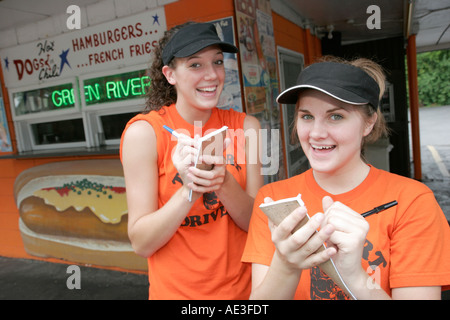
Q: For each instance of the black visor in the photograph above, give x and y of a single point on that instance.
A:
(193, 38)
(344, 82)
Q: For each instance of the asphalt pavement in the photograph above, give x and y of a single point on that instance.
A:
(435, 153)
(25, 279)
(28, 279)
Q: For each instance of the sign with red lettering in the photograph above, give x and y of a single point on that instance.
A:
(119, 43)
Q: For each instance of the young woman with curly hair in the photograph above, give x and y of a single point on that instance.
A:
(193, 247)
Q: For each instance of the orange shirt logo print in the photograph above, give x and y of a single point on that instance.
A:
(210, 202)
(323, 288)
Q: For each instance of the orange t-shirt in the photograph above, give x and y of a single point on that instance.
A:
(202, 259)
(407, 245)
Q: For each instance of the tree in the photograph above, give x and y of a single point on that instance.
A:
(433, 73)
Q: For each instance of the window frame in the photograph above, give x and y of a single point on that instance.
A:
(96, 111)
(54, 146)
(48, 113)
(90, 114)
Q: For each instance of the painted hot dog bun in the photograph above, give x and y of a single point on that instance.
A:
(76, 210)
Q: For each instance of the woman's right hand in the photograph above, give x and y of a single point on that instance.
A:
(183, 157)
(298, 250)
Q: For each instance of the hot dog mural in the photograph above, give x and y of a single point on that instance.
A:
(76, 211)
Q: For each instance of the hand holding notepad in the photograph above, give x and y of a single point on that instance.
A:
(212, 144)
(277, 211)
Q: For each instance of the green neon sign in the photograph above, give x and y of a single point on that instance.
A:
(63, 98)
(125, 86)
(44, 99)
(119, 87)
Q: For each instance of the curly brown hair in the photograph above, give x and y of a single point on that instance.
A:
(160, 92)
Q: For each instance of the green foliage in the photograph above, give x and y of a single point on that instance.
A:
(433, 73)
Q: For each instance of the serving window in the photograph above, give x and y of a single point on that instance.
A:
(90, 111)
(107, 125)
(114, 124)
(110, 100)
(57, 132)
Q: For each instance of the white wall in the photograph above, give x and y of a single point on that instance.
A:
(102, 11)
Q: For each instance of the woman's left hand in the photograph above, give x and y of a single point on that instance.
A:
(348, 238)
(208, 180)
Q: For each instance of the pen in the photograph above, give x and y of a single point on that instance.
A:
(380, 208)
(173, 132)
